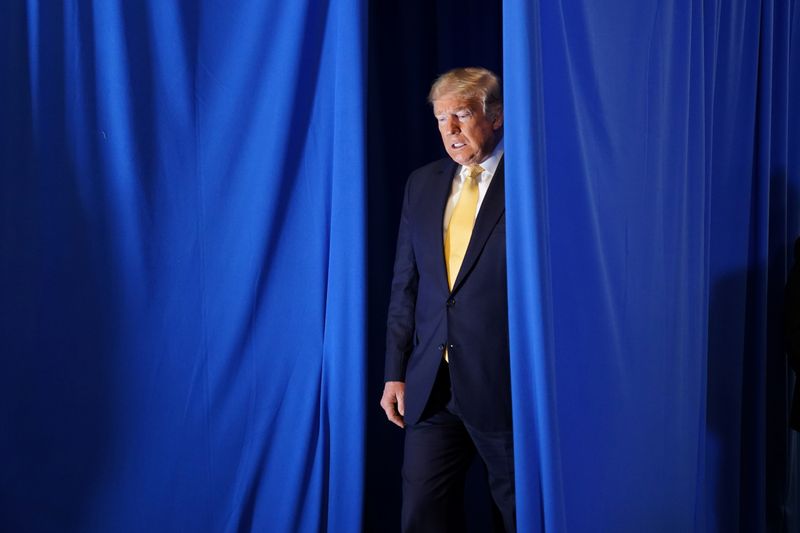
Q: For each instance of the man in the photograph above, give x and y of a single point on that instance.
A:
(447, 363)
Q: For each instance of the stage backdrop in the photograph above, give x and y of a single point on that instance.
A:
(182, 266)
(182, 259)
(652, 162)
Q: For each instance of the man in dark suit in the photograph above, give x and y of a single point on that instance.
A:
(447, 362)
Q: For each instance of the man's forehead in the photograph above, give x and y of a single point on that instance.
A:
(452, 102)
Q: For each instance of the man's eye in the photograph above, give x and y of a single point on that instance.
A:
(463, 116)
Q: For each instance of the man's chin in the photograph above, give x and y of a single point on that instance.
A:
(462, 159)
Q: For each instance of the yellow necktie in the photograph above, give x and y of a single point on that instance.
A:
(459, 230)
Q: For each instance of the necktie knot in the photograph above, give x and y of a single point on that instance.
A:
(473, 172)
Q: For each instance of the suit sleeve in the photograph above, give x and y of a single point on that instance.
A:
(403, 299)
(792, 312)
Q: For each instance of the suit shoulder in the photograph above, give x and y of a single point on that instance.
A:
(431, 169)
(435, 167)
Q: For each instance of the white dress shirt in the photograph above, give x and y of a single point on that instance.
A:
(489, 168)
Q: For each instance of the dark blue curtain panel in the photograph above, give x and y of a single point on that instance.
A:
(652, 185)
(182, 265)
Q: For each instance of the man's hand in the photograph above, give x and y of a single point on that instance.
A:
(394, 401)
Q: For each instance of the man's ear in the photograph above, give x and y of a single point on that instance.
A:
(497, 123)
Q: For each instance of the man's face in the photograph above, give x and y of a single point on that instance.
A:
(469, 136)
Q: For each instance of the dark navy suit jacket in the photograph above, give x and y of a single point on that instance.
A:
(471, 320)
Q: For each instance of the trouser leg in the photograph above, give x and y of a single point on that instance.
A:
(437, 455)
(496, 450)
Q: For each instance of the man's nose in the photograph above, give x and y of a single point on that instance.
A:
(452, 125)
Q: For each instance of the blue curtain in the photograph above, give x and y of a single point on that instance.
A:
(182, 265)
(652, 193)
(182, 260)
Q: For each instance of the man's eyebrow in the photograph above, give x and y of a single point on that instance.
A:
(454, 111)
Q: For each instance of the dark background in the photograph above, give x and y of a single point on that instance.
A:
(410, 44)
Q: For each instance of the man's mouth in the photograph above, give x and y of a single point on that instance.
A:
(456, 146)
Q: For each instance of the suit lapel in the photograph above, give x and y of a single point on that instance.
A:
(492, 208)
(441, 183)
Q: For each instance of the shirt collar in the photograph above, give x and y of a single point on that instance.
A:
(491, 163)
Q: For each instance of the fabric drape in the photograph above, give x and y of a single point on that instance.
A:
(182, 249)
(652, 197)
(182, 265)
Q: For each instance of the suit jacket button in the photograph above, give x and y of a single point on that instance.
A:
(451, 302)
(441, 347)
(451, 347)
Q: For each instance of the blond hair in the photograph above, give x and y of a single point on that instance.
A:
(472, 83)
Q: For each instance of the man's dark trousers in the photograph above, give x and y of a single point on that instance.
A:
(442, 442)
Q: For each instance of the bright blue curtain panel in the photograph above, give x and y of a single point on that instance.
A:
(652, 152)
(182, 266)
